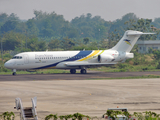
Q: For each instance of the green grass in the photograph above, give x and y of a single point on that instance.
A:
(126, 68)
(43, 71)
(132, 77)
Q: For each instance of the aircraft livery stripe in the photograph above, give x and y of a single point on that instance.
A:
(77, 57)
(74, 58)
(91, 55)
(101, 52)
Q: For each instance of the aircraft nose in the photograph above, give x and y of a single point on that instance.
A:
(7, 64)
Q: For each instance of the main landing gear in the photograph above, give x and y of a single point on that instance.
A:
(73, 71)
(83, 71)
(14, 72)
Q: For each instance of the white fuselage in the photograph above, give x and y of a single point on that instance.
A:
(60, 59)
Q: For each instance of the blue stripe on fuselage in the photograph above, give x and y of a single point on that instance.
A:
(80, 55)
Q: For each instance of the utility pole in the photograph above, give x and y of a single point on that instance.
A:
(1, 50)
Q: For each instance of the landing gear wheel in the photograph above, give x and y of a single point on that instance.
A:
(83, 71)
(72, 71)
(14, 73)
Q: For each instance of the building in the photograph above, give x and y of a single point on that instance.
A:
(144, 46)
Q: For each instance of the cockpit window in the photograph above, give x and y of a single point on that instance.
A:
(17, 57)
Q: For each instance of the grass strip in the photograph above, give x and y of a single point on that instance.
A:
(130, 77)
(47, 71)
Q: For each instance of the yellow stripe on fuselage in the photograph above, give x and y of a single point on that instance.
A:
(91, 55)
(101, 52)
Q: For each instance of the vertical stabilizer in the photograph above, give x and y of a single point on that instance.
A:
(128, 40)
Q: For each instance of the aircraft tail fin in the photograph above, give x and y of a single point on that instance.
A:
(128, 40)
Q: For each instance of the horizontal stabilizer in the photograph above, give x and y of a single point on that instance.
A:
(138, 33)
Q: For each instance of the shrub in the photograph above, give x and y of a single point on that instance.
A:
(122, 70)
(3, 69)
(122, 65)
(131, 62)
(145, 68)
(136, 62)
(158, 66)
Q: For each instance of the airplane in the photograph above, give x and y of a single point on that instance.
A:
(74, 60)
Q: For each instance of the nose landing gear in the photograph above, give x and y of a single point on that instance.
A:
(14, 72)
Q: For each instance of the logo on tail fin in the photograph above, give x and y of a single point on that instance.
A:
(128, 42)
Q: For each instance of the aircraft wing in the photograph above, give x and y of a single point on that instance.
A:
(73, 64)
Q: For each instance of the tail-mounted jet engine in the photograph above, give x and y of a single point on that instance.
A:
(105, 58)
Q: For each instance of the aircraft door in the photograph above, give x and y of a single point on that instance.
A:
(26, 59)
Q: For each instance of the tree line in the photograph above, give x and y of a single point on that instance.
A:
(51, 31)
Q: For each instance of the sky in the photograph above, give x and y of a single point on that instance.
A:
(109, 10)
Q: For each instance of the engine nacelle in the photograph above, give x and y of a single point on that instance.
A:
(105, 58)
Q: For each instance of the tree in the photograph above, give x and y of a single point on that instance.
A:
(86, 40)
(31, 28)
(9, 26)
(72, 33)
(13, 17)
(11, 40)
(143, 25)
(54, 44)
(67, 43)
(123, 24)
(34, 45)
(156, 54)
(3, 18)
(89, 26)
